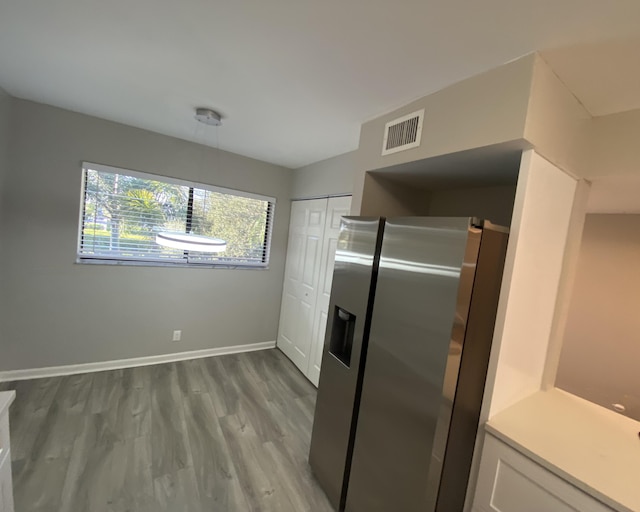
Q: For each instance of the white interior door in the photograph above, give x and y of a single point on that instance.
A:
(336, 208)
(301, 277)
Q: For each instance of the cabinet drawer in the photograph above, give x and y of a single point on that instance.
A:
(510, 482)
(6, 486)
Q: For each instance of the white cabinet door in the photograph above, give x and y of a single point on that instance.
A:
(510, 482)
(336, 209)
(301, 277)
(6, 488)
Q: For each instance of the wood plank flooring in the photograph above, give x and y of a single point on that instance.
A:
(223, 434)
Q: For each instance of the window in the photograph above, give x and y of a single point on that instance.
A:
(123, 212)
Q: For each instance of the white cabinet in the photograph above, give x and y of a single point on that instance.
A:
(6, 487)
(313, 234)
(511, 482)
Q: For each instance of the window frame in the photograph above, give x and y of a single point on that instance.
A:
(104, 259)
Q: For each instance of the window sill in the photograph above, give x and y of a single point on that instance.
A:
(132, 263)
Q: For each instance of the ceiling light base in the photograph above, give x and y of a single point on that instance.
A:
(208, 116)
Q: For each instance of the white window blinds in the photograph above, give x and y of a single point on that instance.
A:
(123, 211)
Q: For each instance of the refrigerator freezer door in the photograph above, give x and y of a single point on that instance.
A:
(469, 391)
(425, 280)
(345, 340)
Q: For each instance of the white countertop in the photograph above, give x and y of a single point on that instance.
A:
(595, 449)
(6, 399)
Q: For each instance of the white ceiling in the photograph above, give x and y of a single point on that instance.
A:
(293, 79)
(605, 76)
(614, 194)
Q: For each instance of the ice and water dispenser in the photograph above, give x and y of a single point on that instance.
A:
(341, 341)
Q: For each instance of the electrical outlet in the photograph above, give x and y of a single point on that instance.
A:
(177, 335)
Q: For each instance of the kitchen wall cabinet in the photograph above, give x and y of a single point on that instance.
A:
(313, 235)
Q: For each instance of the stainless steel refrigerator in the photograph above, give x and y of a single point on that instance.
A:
(409, 332)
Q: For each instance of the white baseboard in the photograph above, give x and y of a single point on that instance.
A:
(71, 369)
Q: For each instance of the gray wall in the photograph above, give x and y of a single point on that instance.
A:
(492, 203)
(56, 312)
(601, 349)
(5, 106)
(390, 198)
(332, 176)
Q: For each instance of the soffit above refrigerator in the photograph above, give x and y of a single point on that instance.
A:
(483, 167)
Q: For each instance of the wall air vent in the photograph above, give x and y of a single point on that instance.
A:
(403, 133)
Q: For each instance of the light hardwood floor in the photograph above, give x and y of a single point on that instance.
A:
(223, 434)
